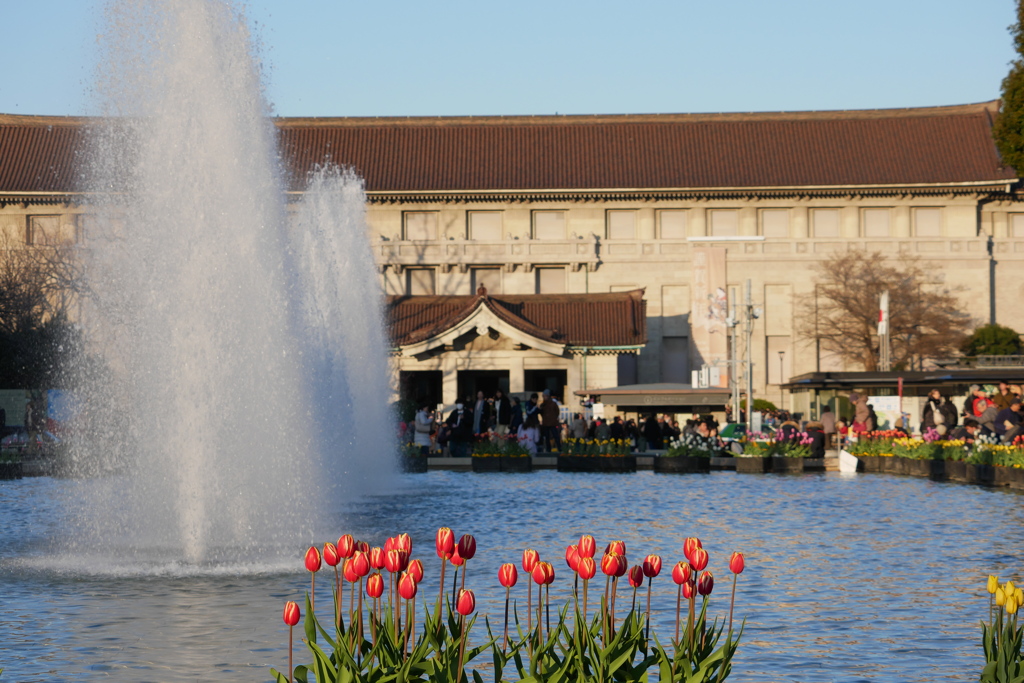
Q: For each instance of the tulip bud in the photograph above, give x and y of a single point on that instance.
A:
(621, 566)
(360, 564)
(1009, 587)
(389, 544)
(587, 568)
(396, 560)
(681, 573)
(689, 545)
(375, 585)
(699, 559)
(636, 576)
(530, 559)
(610, 564)
(572, 557)
(587, 546)
(507, 575)
(467, 547)
(993, 583)
(543, 573)
(457, 559)
(1000, 597)
(312, 559)
(416, 569)
(331, 556)
(407, 586)
(346, 546)
(617, 547)
(445, 542)
(349, 572)
(404, 542)
(1019, 594)
(689, 589)
(362, 547)
(736, 563)
(1012, 604)
(291, 613)
(377, 558)
(706, 583)
(466, 603)
(652, 565)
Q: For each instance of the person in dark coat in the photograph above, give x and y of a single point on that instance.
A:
(938, 414)
(460, 422)
(515, 416)
(816, 431)
(618, 430)
(652, 433)
(502, 413)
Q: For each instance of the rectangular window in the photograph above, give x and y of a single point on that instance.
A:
(928, 222)
(485, 225)
(551, 280)
(43, 230)
(675, 359)
(489, 278)
(1017, 225)
(420, 281)
(420, 225)
(621, 225)
(673, 225)
(775, 222)
(724, 222)
(876, 222)
(549, 225)
(825, 222)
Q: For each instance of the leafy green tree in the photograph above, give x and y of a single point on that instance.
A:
(1008, 129)
(992, 340)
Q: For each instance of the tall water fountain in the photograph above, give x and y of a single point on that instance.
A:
(244, 377)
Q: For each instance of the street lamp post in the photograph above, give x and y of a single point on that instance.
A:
(782, 359)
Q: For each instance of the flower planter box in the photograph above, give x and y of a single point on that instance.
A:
(516, 464)
(956, 470)
(755, 465)
(412, 463)
(681, 465)
(814, 464)
(487, 463)
(10, 470)
(980, 474)
(599, 463)
(1009, 476)
(783, 465)
(870, 463)
(917, 468)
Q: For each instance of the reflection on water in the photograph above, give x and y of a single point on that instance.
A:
(868, 577)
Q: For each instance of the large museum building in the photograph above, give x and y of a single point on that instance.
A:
(580, 252)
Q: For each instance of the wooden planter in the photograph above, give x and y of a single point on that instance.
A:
(516, 464)
(412, 463)
(814, 464)
(783, 465)
(486, 463)
(755, 465)
(599, 463)
(681, 465)
(956, 470)
(1009, 476)
(981, 474)
(870, 463)
(917, 468)
(10, 470)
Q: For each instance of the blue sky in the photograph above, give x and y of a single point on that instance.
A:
(397, 58)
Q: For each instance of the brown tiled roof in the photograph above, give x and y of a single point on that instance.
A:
(922, 146)
(610, 319)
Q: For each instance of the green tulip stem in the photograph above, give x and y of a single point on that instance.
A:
(312, 591)
(585, 582)
(290, 629)
(576, 586)
(504, 642)
(547, 605)
(440, 592)
(615, 590)
(455, 579)
(679, 600)
(647, 636)
(529, 603)
(337, 603)
(732, 601)
(632, 606)
(359, 640)
(462, 647)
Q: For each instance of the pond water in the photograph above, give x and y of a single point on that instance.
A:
(849, 578)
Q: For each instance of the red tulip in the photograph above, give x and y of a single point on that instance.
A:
(681, 572)
(377, 558)
(587, 568)
(636, 576)
(699, 559)
(706, 583)
(466, 603)
(457, 559)
(543, 573)
(736, 563)
(331, 556)
(407, 586)
(587, 546)
(312, 559)
(614, 564)
(652, 565)
(362, 546)
(572, 557)
(689, 589)
(467, 547)
(689, 545)
(291, 613)
(404, 542)
(349, 572)
(507, 575)
(396, 560)
(375, 585)
(416, 569)
(346, 546)
(618, 547)
(530, 559)
(445, 542)
(360, 564)
(389, 544)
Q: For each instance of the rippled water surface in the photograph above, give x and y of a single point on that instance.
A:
(849, 578)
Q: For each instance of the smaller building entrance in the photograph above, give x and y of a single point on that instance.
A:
(487, 381)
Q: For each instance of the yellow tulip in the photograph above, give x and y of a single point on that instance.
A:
(1000, 597)
(993, 583)
(1011, 605)
(1019, 594)
(1009, 588)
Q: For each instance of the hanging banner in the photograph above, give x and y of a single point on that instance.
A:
(709, 310)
